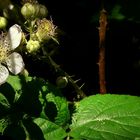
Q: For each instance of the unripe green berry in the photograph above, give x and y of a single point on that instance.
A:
(32, 46)
(61, 81)
(28, 10)
(3, 22)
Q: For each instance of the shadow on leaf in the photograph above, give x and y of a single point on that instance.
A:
(33, 130)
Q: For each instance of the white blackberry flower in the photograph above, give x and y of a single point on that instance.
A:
(8, 57)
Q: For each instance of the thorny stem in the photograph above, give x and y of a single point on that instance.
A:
(101, 63)
(80, 93)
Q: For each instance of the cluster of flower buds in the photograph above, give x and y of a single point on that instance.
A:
(45, 31)
(34, 10)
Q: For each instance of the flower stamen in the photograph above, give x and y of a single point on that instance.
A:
(46, 29)
(4, 52)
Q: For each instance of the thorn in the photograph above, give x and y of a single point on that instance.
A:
(78, 96)
(98, 28)
(82, 85)
(72, 76)
(77, 80)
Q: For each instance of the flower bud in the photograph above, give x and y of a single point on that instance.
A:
(37, 8)
(28, 10)
(3, 22)
(43, 12)
(32, 46)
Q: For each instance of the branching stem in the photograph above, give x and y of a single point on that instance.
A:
(80, 93)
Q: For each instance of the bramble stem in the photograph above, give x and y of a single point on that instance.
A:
(101, 63)
(80, 93)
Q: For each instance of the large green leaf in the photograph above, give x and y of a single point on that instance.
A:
(107, 117)
(50, 130)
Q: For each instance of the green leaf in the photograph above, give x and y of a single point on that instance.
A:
(107, 117)
(28, 101)
(3, 124)
(4, 101)
(4, 107)
(55, 106)
(15, 82)
(61, 106)
(50, 130)
(116, 14)
(50, 88)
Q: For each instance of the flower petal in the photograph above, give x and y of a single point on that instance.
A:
(3, 74)
(15, 63)
(14, 36)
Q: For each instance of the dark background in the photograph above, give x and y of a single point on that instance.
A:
(78, 50)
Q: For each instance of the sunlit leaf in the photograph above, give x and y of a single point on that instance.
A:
(107, 117)
(15, 82)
